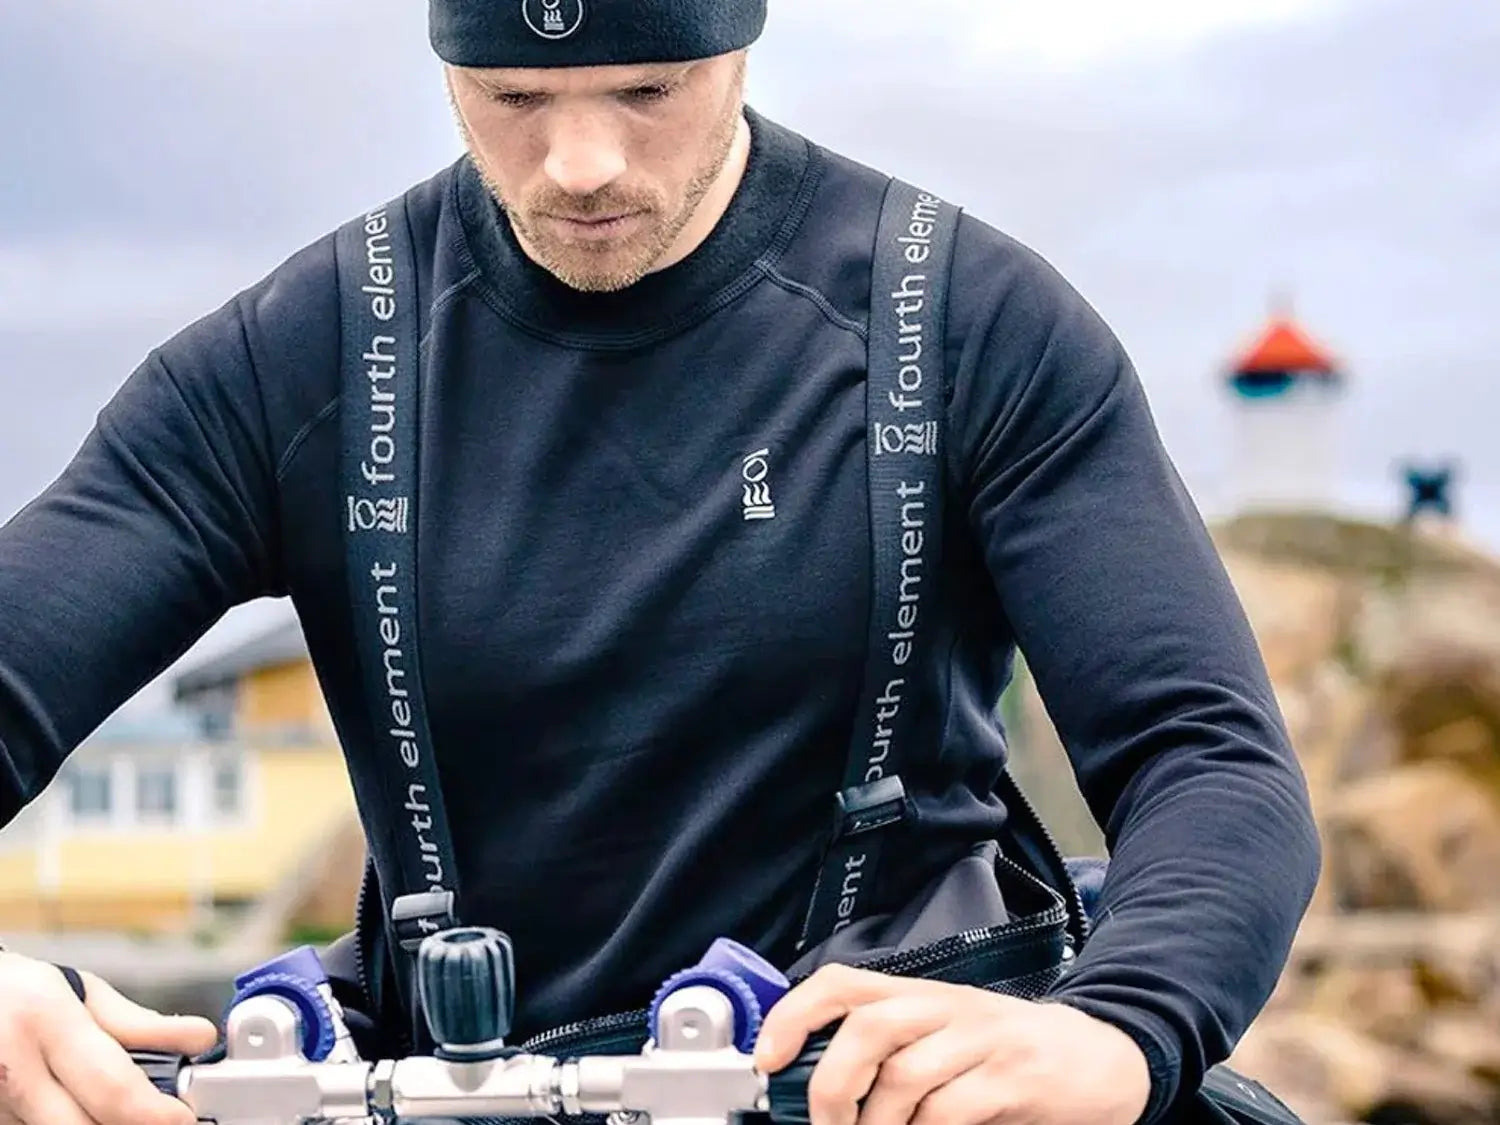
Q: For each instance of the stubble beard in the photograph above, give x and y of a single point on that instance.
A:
(609, 266)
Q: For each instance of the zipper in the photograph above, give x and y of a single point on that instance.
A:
(361, 973)
(365, 925)
(1061, 878)
(622, 1029)
(966, 949)
(990, 947)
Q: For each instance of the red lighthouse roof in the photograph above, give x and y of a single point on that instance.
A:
(1284, 347)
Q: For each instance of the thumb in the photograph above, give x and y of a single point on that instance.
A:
(139, 1028)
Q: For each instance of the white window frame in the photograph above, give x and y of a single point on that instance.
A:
(169, 766)
(94, 818)
(194, 769)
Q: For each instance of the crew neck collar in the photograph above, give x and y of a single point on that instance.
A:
(767, 201)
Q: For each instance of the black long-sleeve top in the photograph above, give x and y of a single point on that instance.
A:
(641, 700)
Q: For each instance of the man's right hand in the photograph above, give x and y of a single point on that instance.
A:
(65, 1062)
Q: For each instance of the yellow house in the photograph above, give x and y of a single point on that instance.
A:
(147, 828)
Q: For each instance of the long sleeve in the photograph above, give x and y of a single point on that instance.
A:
(1146, 662)
(162, 521)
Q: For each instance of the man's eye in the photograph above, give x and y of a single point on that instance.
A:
(512, 99)
(644, 95)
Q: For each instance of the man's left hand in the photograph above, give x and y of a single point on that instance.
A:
(920, 1052)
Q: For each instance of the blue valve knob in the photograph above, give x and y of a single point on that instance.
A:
(751, 984)
(296, 977)
(767, 981)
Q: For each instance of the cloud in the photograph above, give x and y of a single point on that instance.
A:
(226, 121)
(1020, 35)
(120, 283)
(1178, 161)
(1347, 156)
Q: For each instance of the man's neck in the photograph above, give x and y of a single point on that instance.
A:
(715, 203)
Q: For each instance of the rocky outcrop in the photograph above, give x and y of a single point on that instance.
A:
(1384, 646)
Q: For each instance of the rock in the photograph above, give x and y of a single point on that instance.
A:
(1325, 716)
(314, 901)
(1466, 1040)
(1409, 622)
(1269, 1053)
(1384, 1001)
(1326, 1071)
(326, 899)
(1469, 741)
(1444, 703)
(1383, 645)
(1352, 547)
(1424, 836)
(1297, 613)
(1454, 958)
(1039, 763)
(1374, 747)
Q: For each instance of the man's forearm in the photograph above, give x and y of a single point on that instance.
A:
(1213, 866)
(1146, 662)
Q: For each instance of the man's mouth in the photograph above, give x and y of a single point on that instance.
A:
(595, 225)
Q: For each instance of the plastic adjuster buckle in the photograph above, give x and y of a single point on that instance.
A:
(864, 808)
(416, 917)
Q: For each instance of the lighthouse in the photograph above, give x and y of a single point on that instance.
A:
(1286, 392)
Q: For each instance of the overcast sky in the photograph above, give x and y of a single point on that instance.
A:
(1179, 161)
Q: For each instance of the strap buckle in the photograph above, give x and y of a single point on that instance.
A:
(417, 916)
(864, 808)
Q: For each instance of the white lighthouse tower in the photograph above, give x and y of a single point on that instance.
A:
(1287, 391)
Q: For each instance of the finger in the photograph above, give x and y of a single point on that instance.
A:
(96, 1070)
(915, 1072)
(978, 1096)
(35, 1098)
(140, 1028)
(828, 995)
(869, 1036)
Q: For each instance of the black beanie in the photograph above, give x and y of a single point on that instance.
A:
(526, 33)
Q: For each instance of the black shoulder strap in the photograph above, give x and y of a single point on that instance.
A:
(380, 411)
(906, 409)
(905, 402)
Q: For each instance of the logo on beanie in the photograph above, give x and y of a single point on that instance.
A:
(553, 19)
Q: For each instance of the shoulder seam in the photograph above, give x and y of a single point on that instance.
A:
(295, 445)
(824, 305)
(159, 356)
(444, 298)
(260, 394)
(331, 406)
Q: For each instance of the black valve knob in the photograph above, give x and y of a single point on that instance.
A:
(787, 1088)
(467, 982)
(162, 1068)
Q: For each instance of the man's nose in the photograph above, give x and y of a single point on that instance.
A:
(584, 154)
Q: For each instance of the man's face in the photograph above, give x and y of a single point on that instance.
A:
(601, 170)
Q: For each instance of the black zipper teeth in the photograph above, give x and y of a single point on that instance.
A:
(956, 947)
(964, 943)
(584, 1030)
(1075, 896)
(635, 1021)
(404, 1043)
(968, 943)
(361, 975)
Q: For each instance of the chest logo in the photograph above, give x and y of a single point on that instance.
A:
(756, 472)
(553, 19)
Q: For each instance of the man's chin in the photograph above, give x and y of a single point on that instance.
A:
(597, 269)
(591, 276)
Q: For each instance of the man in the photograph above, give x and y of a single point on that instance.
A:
(634, 290)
